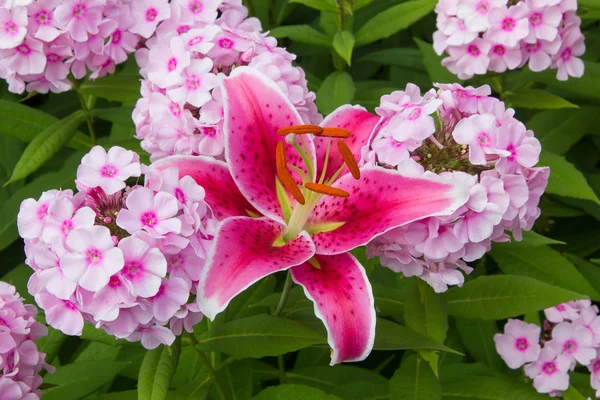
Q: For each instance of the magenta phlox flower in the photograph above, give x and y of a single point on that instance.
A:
(550, 371)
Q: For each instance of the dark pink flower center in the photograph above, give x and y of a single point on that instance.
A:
(175, 261)
(172, 64)
(549, 368)
(535, 19)
(93, 255)
(508, 24)
(415, 114)
(192, 82)
(596, 366)
(180, 195)
(3, 322)
(522, 344)
(117, 36)
(484, 138)
(41, 211)
(209, 131)
(43, 17)
(114, 282)
(131, 269)
(79, 10)
(570, 346)
(68, 305)
(195, 40)
(175, 109)
(151, 14)
(225, 43)
(533, 47)
(483, 7)
(53, 57)
(566, 54)
(108, 171)
(67, 226)
(149, 219)
(499, 49)
(183, 29)
(10, 27)
(473, 50)
(560, 307)
(195, 6)
(24, 49)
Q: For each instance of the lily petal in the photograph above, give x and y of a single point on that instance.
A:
(242, 253)
(343, 300)
(381, 200)
(222, 194)
(355, 119)
(254, 109)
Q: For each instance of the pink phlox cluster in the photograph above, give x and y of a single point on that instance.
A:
(46, 43)
(571, 336)
(20, 360)
(499, 35)
(456, 134)
(123, 258)
(181, 108)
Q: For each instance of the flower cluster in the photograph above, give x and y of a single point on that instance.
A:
(20, 361)
(496, 35)
(43, 43)
(124, 258)
(457, 134)
(181, 109)
(571, 337)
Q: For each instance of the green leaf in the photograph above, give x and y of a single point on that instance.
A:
(433, 64)
(258, 336)
(590, 270)
(236, 380)
(425, 311)
(157, 370)
(64, 178)
(406, 57)
(123, 87)
(536, 98)
(534, 239)
(337, 89)
(559, 130)
(241, 305)
(50, 345)
(117, 115)
(565, 179)
(505, 296)
(586, 86)
(294, 392)
(80, 379)
(414, 381)
(98, 335)
(572, 394)
(392, 20)
(343, 43)
(46, 144)
(388, 300)
(392, 336)
(362, 391)
(544, 264)
(25, 123)
(125, 395)
(302, 34)
(18, 277)
(489, 388)
(478, 338)
(321, 5)
(330, 379)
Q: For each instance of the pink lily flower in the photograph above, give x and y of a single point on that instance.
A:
(308, 219)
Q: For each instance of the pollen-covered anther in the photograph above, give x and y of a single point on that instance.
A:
(288, 182)
(349, 159)
(300, 130)
(327, 190)
(335, 133)
(280, 159)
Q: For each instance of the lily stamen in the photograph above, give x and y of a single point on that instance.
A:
(300, 130)
(349, 159)
(335, 133)
(280, 159)
(288, 182)
(327, 190)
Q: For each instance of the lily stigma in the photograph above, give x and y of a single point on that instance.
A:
(286, 199)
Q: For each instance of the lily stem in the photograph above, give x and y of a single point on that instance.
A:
(88, 119)
(281, 367)
(209, 367)
(287, 287)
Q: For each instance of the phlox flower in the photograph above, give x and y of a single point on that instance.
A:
(503, 57)
(108, 170)
(519, 344)
(516, 148)
(148, 14)
(93, 258)
(509, 25)
(171, 295)
(200, 40)
(166, 62)
(30, 219)
(150, 212)
(594, 369)
(195, 83)
(543, 23)
(13, 27)
(475, 12)
(143, 267)
(62, 219)
(472, 58)
(80, 17)
(61, 314)
(41, 16)
(549, 372)
(567, 58)
(201, 10)
(574, 342)
(152, 336)
(27, 58)
(480, 132)
(320, 229)
(539, 54)
(589, 318)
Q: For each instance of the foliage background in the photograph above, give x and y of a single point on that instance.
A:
(428, 346)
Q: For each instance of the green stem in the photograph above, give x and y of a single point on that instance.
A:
(90, 126)
(287, 287)
(281, 367)
(281, 14)
(209, 367)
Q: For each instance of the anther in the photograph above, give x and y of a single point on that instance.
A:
(300, 130)
(349, 159)
(288, 182)
(280, 160)
(335, 133)
(324, 189)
